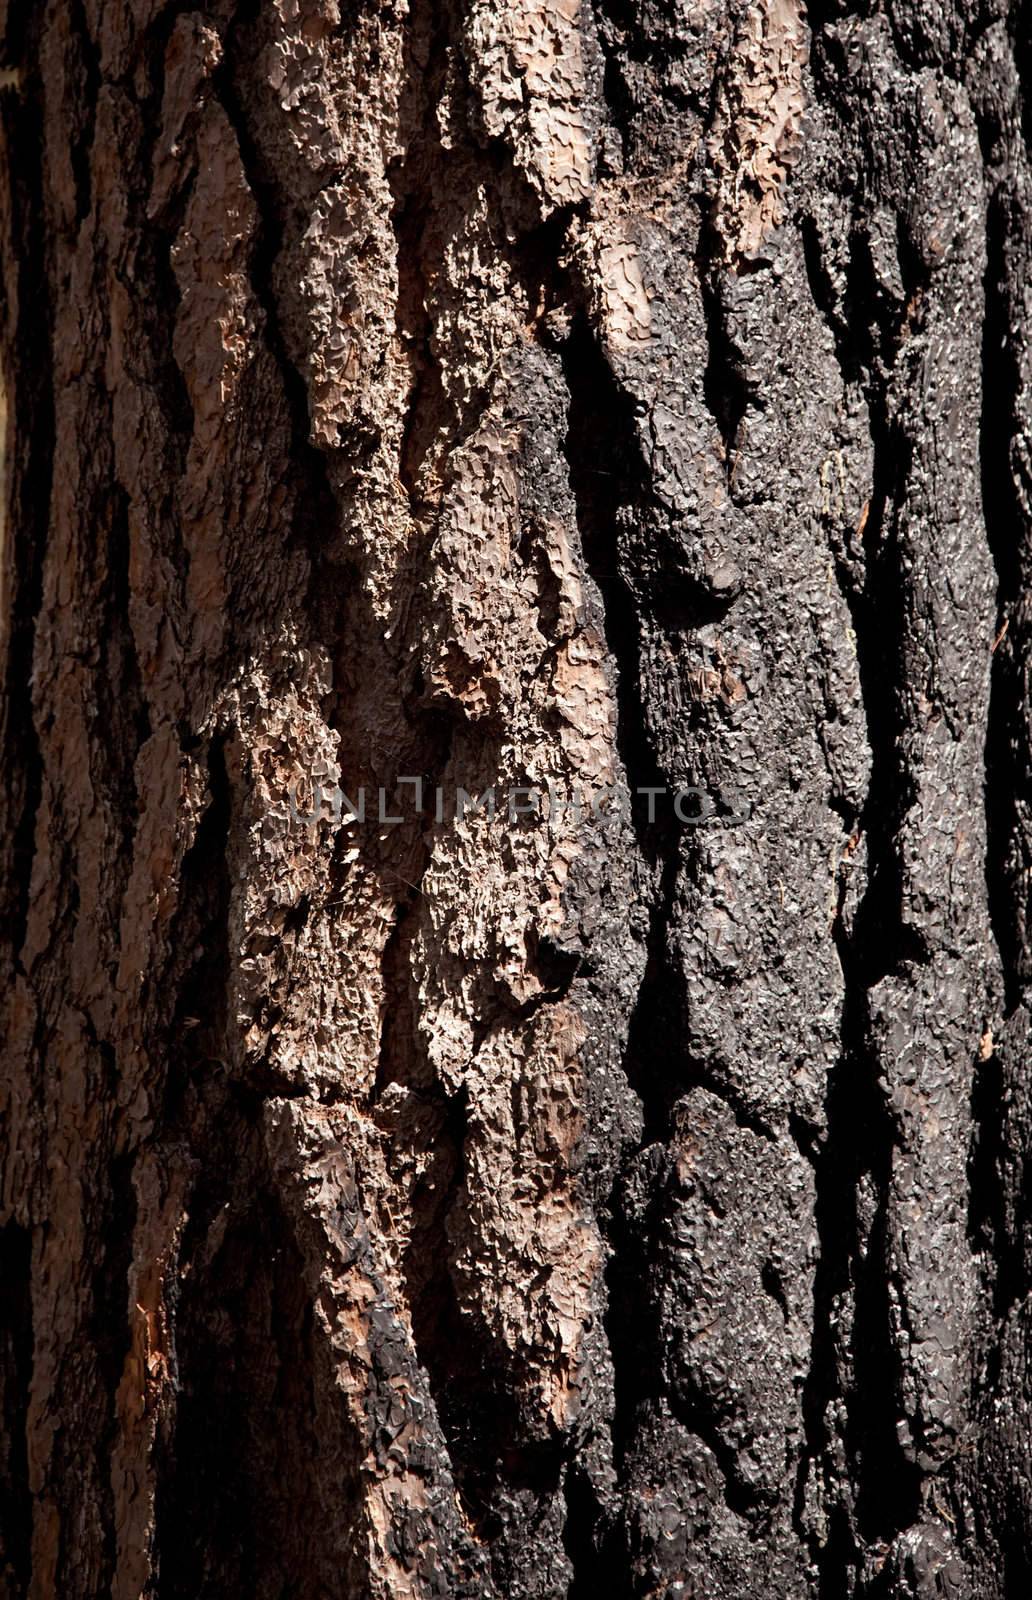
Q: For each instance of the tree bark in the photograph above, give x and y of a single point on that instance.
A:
(610, 1196)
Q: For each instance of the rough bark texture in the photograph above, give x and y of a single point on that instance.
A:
(516, 392)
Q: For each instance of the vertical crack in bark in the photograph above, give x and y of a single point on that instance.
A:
(861, 1131)
(15, 1382)
(1007, 751)
(205, 1459)
(998, 1199)
(595, 1558)
(235, 1489)
(122, 701)
(157, 227)
(602, 429)
(317, 513)
(189, 1477)
(199, 1025)
(427, 46)
(86, 107)
(724, 384)
(28, 371)
(109, 1324)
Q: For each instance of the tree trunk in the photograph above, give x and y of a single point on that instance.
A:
(625, 1194)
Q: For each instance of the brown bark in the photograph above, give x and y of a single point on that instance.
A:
(515, 395)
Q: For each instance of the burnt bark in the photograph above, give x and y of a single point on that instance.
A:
(626, 402)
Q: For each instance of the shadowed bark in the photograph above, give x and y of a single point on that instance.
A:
(623, 410)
